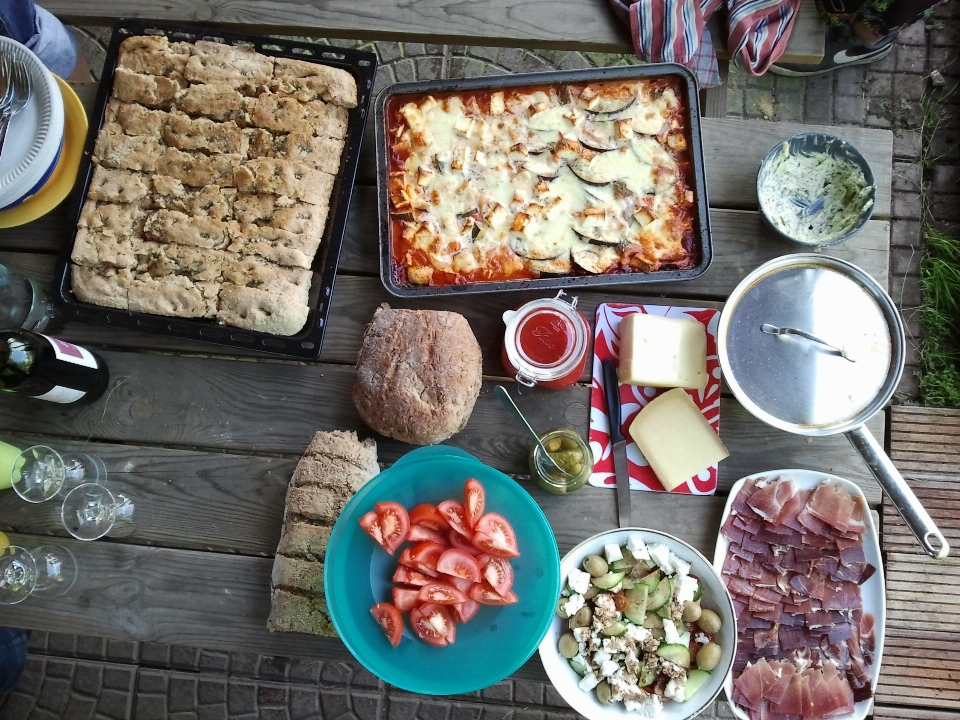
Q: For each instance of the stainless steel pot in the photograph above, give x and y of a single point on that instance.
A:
(814, 346)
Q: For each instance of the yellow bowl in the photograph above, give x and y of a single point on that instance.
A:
(64, 174)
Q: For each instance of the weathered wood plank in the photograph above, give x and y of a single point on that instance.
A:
(570, 25)
(895, 712)
(276, 407)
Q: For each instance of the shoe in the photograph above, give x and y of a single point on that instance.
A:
(842, 48)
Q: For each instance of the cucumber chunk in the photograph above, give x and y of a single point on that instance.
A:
(628, 584)
(651, 581)
(618, 628)
(611, 579)
(695, 680)
(664, 611)
(636, 610)
(677, 654)
(647, 677)
(626, 563)
(661, 596)
(652, 622)
(578, 667)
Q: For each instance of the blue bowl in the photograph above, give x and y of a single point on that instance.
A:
(498, 640)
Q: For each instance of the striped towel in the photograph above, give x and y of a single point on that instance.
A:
(675, 31)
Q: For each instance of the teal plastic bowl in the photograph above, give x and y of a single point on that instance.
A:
(498, 640)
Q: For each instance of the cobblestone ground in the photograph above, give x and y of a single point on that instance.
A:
(80, 678)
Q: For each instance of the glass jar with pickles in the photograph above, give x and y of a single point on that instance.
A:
(568, 449)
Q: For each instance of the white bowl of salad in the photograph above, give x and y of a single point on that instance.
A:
(644, 628)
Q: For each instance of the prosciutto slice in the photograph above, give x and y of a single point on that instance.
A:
(794, 568)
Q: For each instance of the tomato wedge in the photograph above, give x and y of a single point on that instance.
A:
(433, 624)
(427, 515)
(452, 512)
(405, 599)
(459, 563)
(371, 525)
(409, 576)
(441, 593)
(394, 524)
(407, 558)
(466, 610)
(497, 571)
(389, 619)
(421, 533)
(459, 541)
(495, 536)
(461, 584)
(474, 499)
(486, 595)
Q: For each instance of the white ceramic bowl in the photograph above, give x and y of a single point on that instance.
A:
(35, 136)
(715, 597)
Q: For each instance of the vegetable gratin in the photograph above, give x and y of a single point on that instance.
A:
(549, 180)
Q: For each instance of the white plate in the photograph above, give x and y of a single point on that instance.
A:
(715, 597)
(35, 133)
(872, 593)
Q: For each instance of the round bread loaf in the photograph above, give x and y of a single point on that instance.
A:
(418, 374)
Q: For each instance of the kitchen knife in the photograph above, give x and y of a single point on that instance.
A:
(618, 443)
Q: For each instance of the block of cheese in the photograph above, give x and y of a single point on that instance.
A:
(658, 351)
(675, 438)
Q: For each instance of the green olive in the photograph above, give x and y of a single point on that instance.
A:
(560, 605)
(553, 445)
(709, 621)
(568, 646)
(591, 592)
(708, 657)
(604, 695)
(583, 618)
(691, 611)
(595, 565)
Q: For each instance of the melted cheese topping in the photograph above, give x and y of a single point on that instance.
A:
(555, 180)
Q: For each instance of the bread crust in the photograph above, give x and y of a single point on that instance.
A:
(418, 374)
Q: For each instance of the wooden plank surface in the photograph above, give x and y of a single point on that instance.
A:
(568, 24)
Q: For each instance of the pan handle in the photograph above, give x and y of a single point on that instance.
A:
(900, 494)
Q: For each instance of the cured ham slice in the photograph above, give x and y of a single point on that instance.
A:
(794, 568)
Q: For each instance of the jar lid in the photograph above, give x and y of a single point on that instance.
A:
(811, 343)
(35, 135)
(545, 339)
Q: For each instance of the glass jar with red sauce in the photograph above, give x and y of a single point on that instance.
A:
(546, 342)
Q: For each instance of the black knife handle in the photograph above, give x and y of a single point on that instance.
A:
(611, 390)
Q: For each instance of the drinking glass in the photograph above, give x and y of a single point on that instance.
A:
(81, 469)
(38, 473)
(44, 571)
(23, 304)
(91, 511)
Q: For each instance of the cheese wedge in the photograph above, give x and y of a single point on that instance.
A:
(658, 351)
(675, 438)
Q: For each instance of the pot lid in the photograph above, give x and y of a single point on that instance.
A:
(811, 344)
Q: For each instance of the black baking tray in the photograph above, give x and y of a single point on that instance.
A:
(306, 343)
(389, 270)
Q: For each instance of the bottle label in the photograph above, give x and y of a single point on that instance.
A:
(72, 353)
(61, 394)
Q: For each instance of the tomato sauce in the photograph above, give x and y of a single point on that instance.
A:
(405, 256)
(545, 337)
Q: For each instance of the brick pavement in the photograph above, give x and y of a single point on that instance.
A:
(78, 677)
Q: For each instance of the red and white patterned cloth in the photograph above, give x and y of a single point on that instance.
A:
(675, 31)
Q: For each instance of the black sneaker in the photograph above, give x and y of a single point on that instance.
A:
(842, 48)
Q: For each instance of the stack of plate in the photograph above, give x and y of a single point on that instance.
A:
(44, 143)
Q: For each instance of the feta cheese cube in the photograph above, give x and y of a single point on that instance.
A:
(609, 667)
(652, 706)
(600, 657)
(579, 659)
(611, 551)
(638, 633)
(672, 637)
(674, 690)
(637, 547)
(686, 588)
(701, 638)
(682, 566)
(589, 681)
(581, 634)
(660, 554)
(632, 705)
(573, 604)
(578, 581)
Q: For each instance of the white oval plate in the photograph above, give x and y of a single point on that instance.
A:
(715, 597)
(35, 133)
(874, 599)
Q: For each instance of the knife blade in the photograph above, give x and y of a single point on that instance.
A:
(618, 443)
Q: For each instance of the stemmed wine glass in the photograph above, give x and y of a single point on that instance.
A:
(91, 511)
(44, 571)
(40, 473)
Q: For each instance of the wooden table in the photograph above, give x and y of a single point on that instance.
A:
(205, 439)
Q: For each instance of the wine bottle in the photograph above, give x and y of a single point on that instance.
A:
(46, 368)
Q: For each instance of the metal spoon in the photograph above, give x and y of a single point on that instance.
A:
(833, 350)
(510, 405)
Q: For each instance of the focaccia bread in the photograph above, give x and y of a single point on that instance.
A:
(333, 468)
(418, 374)
(213, 173)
